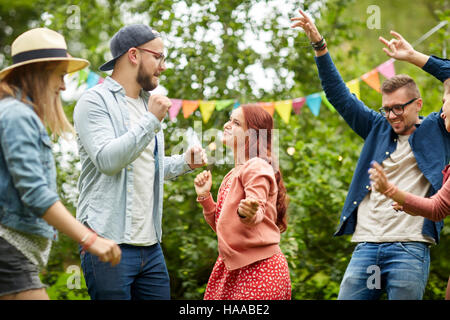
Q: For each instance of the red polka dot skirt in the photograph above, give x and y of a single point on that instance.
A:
(267, 279)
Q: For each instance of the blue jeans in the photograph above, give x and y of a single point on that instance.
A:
(140, 275)
(398, 268)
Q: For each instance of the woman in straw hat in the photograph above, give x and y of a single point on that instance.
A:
(30, 209)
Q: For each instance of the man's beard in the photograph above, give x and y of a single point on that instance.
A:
(145, 80)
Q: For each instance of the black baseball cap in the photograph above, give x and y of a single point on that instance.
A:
(128, 37)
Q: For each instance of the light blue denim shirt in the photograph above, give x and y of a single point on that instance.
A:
(107, 146)
(27, 170)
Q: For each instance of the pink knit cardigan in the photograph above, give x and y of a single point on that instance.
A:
(242, 241)
(435, 208)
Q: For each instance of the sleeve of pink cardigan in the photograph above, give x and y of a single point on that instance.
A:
(209, 210)
(435, 208)
(257, 177)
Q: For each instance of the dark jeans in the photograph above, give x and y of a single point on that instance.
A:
(140, 275)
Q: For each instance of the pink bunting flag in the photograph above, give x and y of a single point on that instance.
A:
(387, 68)
(175, 108)
(297, 104)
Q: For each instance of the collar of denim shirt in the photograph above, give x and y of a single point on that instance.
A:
(115, 87)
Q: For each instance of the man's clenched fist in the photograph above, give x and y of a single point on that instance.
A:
(158, 105)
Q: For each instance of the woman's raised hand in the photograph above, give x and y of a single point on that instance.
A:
(397, 48)
(378, 177)
(203, 182)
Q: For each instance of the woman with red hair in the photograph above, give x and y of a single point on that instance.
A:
(249, 215)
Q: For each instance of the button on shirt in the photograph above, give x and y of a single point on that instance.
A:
(142, 226)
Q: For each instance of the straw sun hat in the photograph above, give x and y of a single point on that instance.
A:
(39, 45)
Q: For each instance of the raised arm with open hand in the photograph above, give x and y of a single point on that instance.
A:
(310, 29)
(401, 49)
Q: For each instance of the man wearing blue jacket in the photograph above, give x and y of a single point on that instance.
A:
(392, 254)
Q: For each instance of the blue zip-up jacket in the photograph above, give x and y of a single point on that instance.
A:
(430, 142)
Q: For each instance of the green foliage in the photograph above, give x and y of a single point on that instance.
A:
(202, 66)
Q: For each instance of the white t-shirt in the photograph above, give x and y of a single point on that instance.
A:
(377, 221)
(142, 227)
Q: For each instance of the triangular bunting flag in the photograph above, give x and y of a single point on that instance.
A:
(175, 108)
(313, 101)
(92, 79)
(387, 68)
(297, 104)
(326, 102)
(284, 109)
(268, 106)
(236, 105)
(82, 76)
(372, 79)
(223, 104)
(206, 109)
(353, 86)
(189, 106)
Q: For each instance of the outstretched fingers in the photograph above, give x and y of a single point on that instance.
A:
(301, 21)
(383, 41)
(397, 35)
(388, 44)
(304, 15)
(378, 168)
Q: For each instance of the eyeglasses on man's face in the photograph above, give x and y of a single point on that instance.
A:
(159, 56)
(397, 109)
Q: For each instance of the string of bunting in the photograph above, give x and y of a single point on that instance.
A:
(86, 79)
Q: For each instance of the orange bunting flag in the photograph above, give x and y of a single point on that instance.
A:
(284, 109)
(189, 106)
(372, 79)
(268, 106)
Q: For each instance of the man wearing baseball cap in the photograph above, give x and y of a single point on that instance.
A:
(121, 147)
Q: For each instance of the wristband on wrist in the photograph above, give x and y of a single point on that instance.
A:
(319, 45)
(89, 241)
(85, 237)
(203, 196)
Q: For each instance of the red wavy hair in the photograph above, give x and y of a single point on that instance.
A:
(259, 144)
